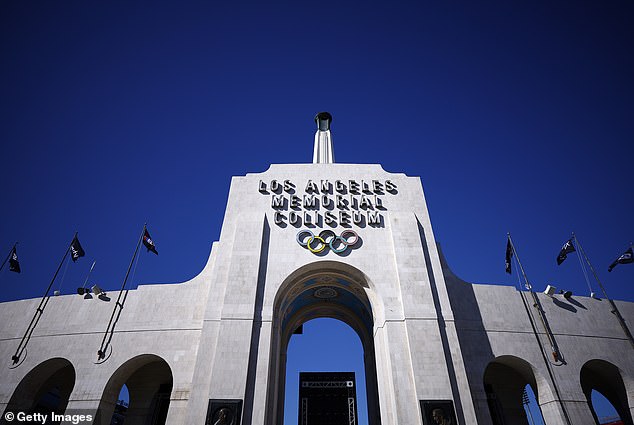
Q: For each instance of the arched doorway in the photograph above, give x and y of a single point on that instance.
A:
(325, 289)
(149, 381)
(45, 389)
(606, 379)
(325, 345)
(505, 382)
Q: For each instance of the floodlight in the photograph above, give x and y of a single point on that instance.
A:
(566, 294)
(550, 290)
(97, 290)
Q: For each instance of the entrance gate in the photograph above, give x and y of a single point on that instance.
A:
(323, 289)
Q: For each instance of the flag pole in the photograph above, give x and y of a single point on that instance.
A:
(553, 347)
(40, 310)
(526, 282)
(119, 304)
(8, 256)
(537, 305)
(89, 272)
(614, 310)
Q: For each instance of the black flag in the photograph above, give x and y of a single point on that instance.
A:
(625, 258)
(148, 242)
(509, 255)
(76, 250)
(565, 250)
(14, 264)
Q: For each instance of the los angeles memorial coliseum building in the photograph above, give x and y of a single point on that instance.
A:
(298, 242)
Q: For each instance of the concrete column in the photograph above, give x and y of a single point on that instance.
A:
(201, 381)
(235, 330)
(261, 378)
(222, 362)
(463, 388)
(385, 382)
(177, 412)
(404, 390)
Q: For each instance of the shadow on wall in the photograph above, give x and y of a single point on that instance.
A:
(46, 388)
(497, 384)
(465, 310)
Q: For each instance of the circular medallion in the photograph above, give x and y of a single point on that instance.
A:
(325, 293)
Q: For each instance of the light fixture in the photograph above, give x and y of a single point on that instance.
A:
(566, 294)
(56, 293)
(85, 292)
(550, 290)
(97, 290)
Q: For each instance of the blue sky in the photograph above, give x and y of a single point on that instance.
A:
(517, 117)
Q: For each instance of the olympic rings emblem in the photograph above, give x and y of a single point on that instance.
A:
(327, 238)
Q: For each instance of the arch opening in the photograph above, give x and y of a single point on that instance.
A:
(325, 345)
(604, 410)
(45, 389)
(511, 387)
(148, 380)
(605, 378)
(121, 406)
(323, 290)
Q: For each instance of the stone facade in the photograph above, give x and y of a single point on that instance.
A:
(222, 336)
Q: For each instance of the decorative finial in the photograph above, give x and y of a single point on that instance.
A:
(323, 120)
(323, 152)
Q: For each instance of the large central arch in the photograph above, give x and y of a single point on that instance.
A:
(317, 290)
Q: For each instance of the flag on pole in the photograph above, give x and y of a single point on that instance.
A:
(509, 254)
(565, 250)
(76, 250)
(148, 242)
(14, 264)
(626, 258)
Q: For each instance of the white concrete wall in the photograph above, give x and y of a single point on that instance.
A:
(434, 335)
(492, 322)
